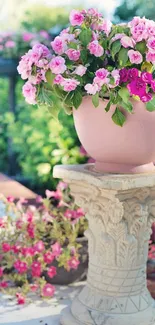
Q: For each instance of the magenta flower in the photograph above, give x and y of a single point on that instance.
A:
(133, 74)
(20, 266)
(146, 98)
(76, 18)
(56, 249)
(3, 284)
(95, 48)
(20, 299)
(57, 65)
(6, 247)
(27, 251)
(36, 269)
(59, 45)
(124, 75)
(153, 85)
(73, 55)
(52, 272)
(48, 290)
(73, 263)
(135, 57)
(147, 77)
(137, 87)
(49, 257)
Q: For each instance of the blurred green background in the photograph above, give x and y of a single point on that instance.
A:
(38, 141)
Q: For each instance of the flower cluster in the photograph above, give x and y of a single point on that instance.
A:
(93, 57)
(15, 44)
(35, 241)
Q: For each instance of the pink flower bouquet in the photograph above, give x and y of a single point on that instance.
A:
(93, 57)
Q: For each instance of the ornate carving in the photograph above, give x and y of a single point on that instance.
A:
(118, 234)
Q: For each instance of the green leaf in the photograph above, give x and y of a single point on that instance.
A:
(49, 77)
(73, 45)
(84, 56)
(107, 108)
(127, 106)
(67, 109)
(116, 46)
(77, 99)
(141, 47)
(59, 92)
(54, 111)
(85, 36)
(150, 106)
(124, 94)
(68, 100)
(118, 117)
(95, 99)
(123, 57)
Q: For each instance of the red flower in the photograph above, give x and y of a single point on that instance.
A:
(20, 299)
(48, 257)
(16, 248)
(48, 290)
(52, 272)
(36, 269)
(27, 251)
(20, 266)
(31, 230)
(3, 284)
(6, 247)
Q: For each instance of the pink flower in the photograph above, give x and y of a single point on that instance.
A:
(56, 249)
(1, 272)
(115, 74)
(29, 92)
(39, 199)
(146, 77)
(135, 57)
(139, 31)
(10, 44)
(44, 34)
(80, 213)
(27, 37)
(124, 75)
(101, 77)
(20, 299)
(3, 284)
(62, 186)
(39, 246)
(52, 272)
(66, 36)
(137, 87)
(105, 26)
(69, 214)
(127, 41)
(55, 194)
(48, 290)
(93, 12)
(36, 269)
(16, 248)
(58, 45)
(151, 44)
(146, 98)
(6, 247)
(153, 85)
(40, 50)
(92, 89)
(3, 222)
(49, 257)
(95, 48)
(57, 65)
(133, 74)
(33, 287)
(70, 84)
(76, 18)
(150, 25)
(150, 57)
(31, 230)
(10, 199)
(20, 266)
(73, 54)
(117, 37)
(73, 263)
(58, 79)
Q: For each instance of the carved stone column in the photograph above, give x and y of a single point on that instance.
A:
(120, 210)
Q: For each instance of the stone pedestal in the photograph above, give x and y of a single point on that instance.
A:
(120, 210)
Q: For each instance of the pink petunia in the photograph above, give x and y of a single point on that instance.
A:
(48, 290)
(21, 266)
(73, 54)
(6, 247)
(137, 87)
(101, 77)
(92, 89)
(59, 45)
(70, 84)
(56, 249)
(39, 247)
(73, 263)
(49, 257)
(135, 57)
(146, 98)
(95, 48)
(57, 65)
(36, 269)
(76, 18)
(29, 92)
(52, 272)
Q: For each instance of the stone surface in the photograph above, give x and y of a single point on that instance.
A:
(38, 312)
(120, 210)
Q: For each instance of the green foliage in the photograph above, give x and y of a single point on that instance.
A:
(150, 106)
(95, 99)
(44, 17)
(123, 57)
(116, 46)
(85, 36)
(39, 141)
(128, 9)
(118, 117)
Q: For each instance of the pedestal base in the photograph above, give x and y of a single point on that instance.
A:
(94, 317)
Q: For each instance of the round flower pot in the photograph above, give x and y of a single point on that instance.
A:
(130, 149)
(64, 277)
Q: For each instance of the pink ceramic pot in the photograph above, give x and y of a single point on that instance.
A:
(130, 149)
